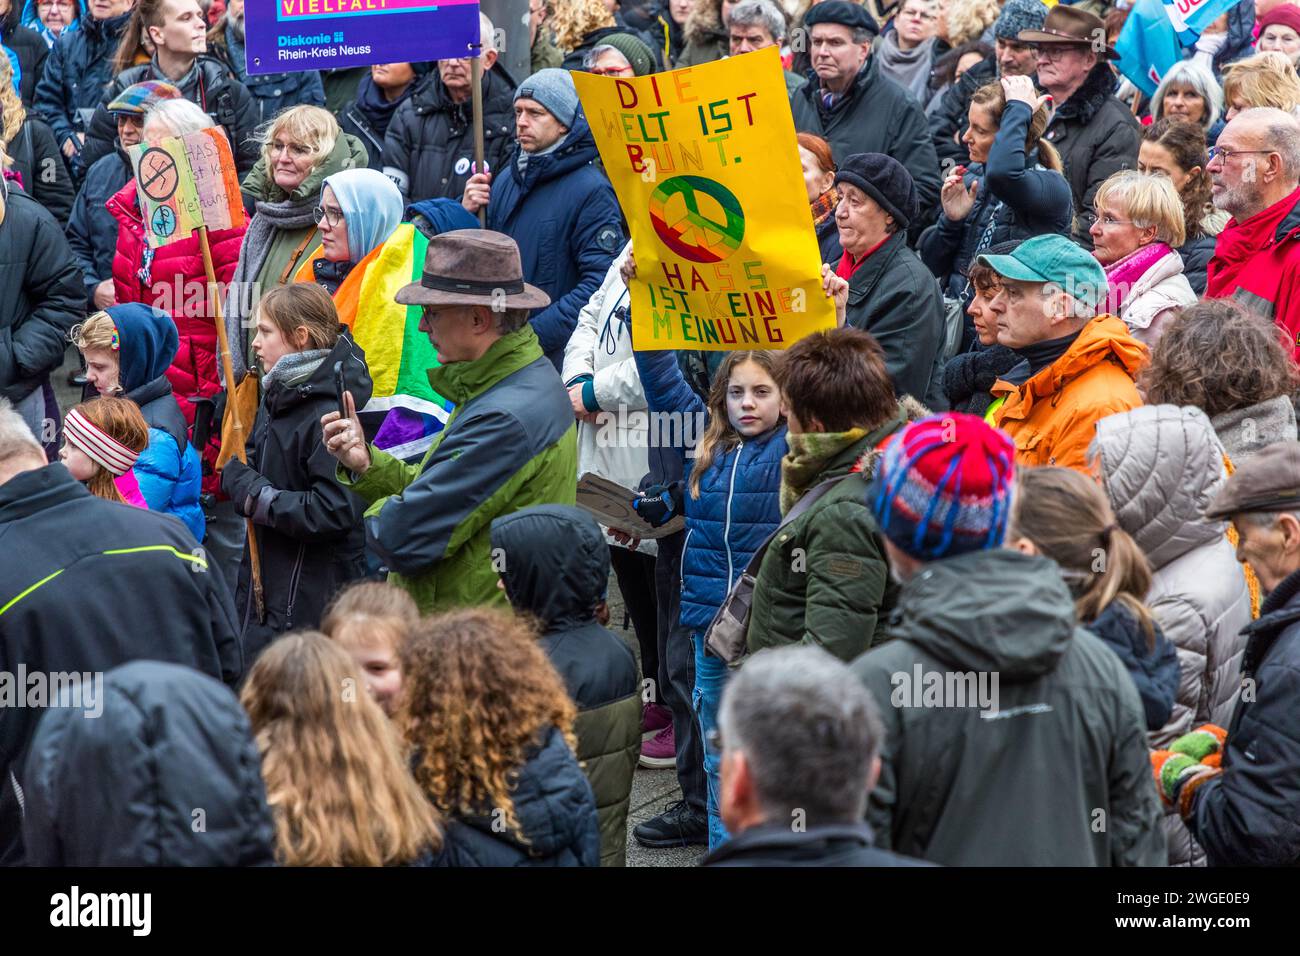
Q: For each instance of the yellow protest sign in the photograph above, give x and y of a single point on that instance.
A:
(707, 172)
(184, 182)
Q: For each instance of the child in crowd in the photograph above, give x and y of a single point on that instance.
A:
(127, 350)
(102, 441)
(337, 779)
(370, 620)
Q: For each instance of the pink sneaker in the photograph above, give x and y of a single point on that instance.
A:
(659, 751)
(654, 718)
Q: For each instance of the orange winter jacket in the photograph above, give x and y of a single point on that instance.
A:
(1052, 417)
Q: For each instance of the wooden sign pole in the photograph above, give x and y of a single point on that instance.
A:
(476, 98)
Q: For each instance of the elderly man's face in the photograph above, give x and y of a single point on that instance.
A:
(451, 332)
(1015, 59)
(835, 57)
(1238, 167)
(1064, 65)
(1272, 551)
(1022, 312)
(747, 37)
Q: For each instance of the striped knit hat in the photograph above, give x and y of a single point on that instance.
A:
(98, 445)
(944, 487)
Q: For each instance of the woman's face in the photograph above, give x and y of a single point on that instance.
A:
(1155, 160)
(679, 10)
(55, 14)
(102, 370)
(392, 76)
(1235, 106)
(77, 462)
(291, 162)
(270, 344)
(333, 228)
(985, 322)
(815, 179)
(753, 400)
(1183, 102)
(981, 130)
(1280, 39)
(1114, 236)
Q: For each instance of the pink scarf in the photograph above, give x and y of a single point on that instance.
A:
(1123, 275)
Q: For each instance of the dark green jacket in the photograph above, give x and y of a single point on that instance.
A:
(825, 579)
(1046, 767)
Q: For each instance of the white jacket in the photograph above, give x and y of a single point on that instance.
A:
(601, 346)
(1157, 297)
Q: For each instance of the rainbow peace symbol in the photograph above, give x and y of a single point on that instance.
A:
(697, 218)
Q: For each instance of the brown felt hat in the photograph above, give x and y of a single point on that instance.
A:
(1268, 481)
(473, 267)
(1070, 25)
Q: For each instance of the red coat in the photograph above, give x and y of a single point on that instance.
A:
(1257, 262)
(194, 370)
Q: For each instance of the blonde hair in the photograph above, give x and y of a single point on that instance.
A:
(572, 20)
(97, 332)
(336, 773)
(121, 420)
(312, 126)
(993, 97)
(968, 19)
(1147, 201)
(1265, 79)
(14, 113)
(369, 613)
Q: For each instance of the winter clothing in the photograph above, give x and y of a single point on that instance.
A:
(121, 790)
(561, 211)
(895, 298)
(31, 20)
(943, 487)
(1017, 199)
(544, 53)
(41, 169)
(30, 49)
(372, 208)
(910, 69)
(1060, 694)
(968, 379)
(209, 84)
(1148, 290)
(1257, 262)
(706, 38)
(272, 92)
(1272, 420)
(92, 230)
(1153, 667)
(1052, 259)
(639, 56)
(309, 533)
(1019, 15)
(1249, 814)
(98, 445)
(556, 811)
(554, 90)
(1051, 417)
(556, 569)
(824, 579)
(828, 233)
(41, 296)
(1198, 250)
(71, 563)
(875, 116)
(885, 180)
(429, 146)
(833, 844)
(1096, 135)
(369, 115)
(429, 522)
(76, 74)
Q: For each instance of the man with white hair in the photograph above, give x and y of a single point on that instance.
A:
(757, 25)
(87, 584)
(1255, 174)
(429, 145)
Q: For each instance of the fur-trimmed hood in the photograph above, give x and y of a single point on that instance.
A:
(705, 22)
(1087, 100)
(913, 411)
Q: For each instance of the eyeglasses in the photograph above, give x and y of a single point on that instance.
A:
(1108, 221)
(1056, 51)
(1222, 152)
(613, 71)
(331, 217)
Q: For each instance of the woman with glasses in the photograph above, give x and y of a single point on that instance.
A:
(1138, 228)
(907, 52)
(300, 149)
(50, 19)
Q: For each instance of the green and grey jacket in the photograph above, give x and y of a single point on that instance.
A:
(509, 443)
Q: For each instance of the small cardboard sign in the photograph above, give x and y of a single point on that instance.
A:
(611, 504)
(184, 182)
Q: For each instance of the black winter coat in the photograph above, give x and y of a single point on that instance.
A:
(555, 809)
(212, 87)
(30, 50)
(429, 146)
(968, 378)
(1155, 672)
(87, 584)
(309, 531)
(124, 789)
(1250, 814)
(876, 116)
(36, 158)
(1197, 254)
(92, 229)
(835, 844)
(41, 295)
(556, 565)
(76, 75)
(948, 121)
(1096, 135)
(369, 115)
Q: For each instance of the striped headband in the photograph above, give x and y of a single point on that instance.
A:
(98, 445)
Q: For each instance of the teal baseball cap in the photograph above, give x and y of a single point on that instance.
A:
(1057, 260)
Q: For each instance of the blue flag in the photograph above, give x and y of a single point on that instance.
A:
(1191, 17)
(1148, 45)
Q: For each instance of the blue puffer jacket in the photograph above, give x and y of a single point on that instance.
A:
(76, 73)
(168, 470)
(92, 229)
(739, 502)
(562, 212)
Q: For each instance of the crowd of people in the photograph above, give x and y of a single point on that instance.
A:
(1004, 569)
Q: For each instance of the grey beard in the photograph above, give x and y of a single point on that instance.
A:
(238, 27)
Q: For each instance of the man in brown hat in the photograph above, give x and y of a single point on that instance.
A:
(509, 443)
(1095, 133)
(1246, 812)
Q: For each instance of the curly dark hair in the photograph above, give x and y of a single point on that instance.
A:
(1186, 144)
(1220, 358)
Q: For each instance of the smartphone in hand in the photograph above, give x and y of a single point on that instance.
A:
(339, 389)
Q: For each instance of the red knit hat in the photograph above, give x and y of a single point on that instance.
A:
(1286, 15)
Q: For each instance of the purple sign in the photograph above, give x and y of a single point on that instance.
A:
(287, 36)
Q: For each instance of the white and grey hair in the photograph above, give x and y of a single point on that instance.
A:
(1197, 78)
(178, 117)
(763, 13)
(16, 436)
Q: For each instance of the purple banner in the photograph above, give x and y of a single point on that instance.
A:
(287, 36)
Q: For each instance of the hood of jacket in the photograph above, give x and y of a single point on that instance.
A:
(1161, 466)
(1271, 420)
(348, 153)
(148, 341)
(433, 217)
(1105, 338)
(1160, 288)
(989, 611)
(356, 377)
(121, 790)
(1089, 98)
(577, 150)
(555, 564)
(705, 22)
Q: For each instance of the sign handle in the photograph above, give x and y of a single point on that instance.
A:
(476, 98)
(232, 409)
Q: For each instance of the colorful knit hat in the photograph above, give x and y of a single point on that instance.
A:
(138, 98)
(100, 447)
(944, 487)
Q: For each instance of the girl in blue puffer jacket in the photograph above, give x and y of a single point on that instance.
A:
(731, 500)
(127, 351)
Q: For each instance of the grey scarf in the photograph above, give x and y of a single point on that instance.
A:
(294, 368)
(909, 69)
(241, 296)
